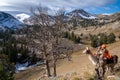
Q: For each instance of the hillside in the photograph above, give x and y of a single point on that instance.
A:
(107, 28)
(79, 67)
(78, 22)
(80, 14)
(81, 64)
(8, 21)
(59, 39)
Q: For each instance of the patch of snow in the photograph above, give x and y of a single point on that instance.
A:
(91, 17)
(11, 23)
(106, 14)
(20, 67)
(22, 17)
(25, 66)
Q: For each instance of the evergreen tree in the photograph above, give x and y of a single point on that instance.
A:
(94, 41)
(6, 68)
(77, 40)
(103, 38)
(111, 38)
(74, 23)
(72, 36)
(66, 34)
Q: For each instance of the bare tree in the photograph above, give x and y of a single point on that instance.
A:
(40, 36)
(47, 38)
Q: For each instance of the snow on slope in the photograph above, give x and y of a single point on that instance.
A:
(106, 14)
(22, 17)
(80, 13)
(90, 17)
(8, 21)
(25, 66)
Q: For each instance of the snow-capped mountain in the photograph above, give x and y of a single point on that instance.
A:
(106, 14)
(8, 21)
(23, 17)
(80, 13)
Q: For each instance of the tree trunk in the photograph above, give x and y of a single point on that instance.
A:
(54, 68)
(68, 56)
(47, 68)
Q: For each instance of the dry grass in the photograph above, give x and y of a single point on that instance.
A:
(79, 68)
(107, 28)
(74, 76)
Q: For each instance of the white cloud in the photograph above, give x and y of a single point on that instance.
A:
(24, 5)
(107, 8)
(3, 4)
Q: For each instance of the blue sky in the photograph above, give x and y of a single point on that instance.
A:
(91, 6)
(108, 8)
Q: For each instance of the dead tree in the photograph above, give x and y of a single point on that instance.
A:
(41, 35)
(47, 38)
(59, 48)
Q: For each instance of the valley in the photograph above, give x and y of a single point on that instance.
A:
(79, 66)
(41, 46)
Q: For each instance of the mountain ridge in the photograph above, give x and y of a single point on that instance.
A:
(8, 21)
(17, 21)
(81, 14)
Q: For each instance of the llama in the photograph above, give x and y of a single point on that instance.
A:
(99, 63)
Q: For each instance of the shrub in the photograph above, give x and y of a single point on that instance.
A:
(119, 36)
(6, 69)
(103, 39)
(90, 78)
(72, 37)
(111, 38)
(94, 41)
(75, 78)
(74, 23)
